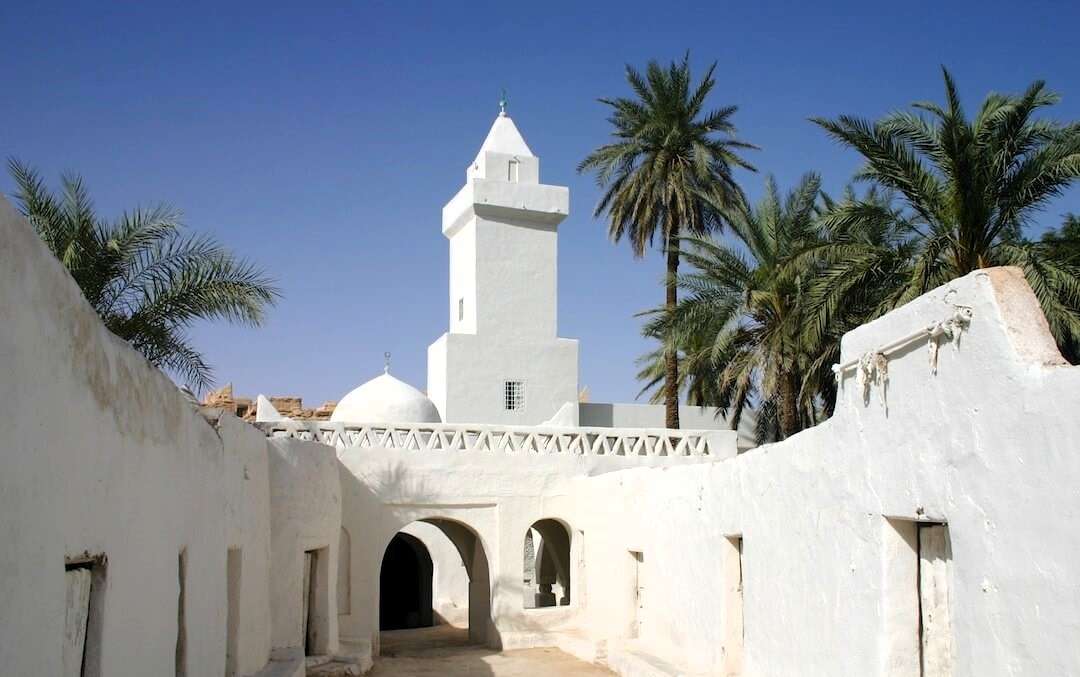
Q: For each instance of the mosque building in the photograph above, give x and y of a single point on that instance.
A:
(924, 530)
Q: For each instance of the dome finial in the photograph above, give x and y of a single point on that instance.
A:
(503, 103)
(386, 366)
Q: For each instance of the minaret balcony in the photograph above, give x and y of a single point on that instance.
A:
(535, 203)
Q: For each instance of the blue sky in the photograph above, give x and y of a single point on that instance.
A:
(322, 139)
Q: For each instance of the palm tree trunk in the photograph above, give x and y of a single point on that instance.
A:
(789, 408)
(671, 358)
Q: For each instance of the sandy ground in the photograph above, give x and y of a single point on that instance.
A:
(444, 651)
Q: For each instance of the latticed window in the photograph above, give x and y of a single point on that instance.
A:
(514, 395)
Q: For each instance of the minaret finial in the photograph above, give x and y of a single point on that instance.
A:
(502, 103)
(386, 366)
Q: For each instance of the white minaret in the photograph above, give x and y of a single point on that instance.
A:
(502, 360)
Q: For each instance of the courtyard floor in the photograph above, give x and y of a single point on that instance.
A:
(444, 651)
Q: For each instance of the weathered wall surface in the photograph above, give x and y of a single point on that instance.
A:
(988, 445)
(99, 453)
(305, 515)
(247, 529)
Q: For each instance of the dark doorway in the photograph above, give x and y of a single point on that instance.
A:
(405, 585)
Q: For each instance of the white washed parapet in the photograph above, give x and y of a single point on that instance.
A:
(624, 442)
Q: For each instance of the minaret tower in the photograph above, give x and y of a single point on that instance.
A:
(502, 360)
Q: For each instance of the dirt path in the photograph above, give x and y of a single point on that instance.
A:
(444, 651)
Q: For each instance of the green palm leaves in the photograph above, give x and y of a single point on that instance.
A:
(668, 171)
(741, 323)
(760, 319)
(969, 187)
(147, 279)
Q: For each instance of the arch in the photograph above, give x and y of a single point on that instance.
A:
(470, 547)
(546, 570)
(405, 584)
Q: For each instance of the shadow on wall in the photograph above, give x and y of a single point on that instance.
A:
(372, 507)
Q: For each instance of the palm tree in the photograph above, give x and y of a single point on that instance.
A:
(969, 188)
(1065, 241)
(856, 270)
(147, 279)
(667, 174)
(741, 321)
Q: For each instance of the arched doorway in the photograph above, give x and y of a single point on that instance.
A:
(546, 565)
(405, 584)
(405, 581)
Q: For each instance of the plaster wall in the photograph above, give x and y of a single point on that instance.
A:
(987, 444)
(99, 454)
(463, 299)
(305, 515)
(467, 375)
(247, 528)
(496, 498)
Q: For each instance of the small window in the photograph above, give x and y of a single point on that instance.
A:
(461, 309)
(512, 171)
(514, 395)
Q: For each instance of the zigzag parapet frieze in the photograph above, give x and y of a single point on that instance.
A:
(512, 440)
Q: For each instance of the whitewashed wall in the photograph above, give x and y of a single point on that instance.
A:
(99, 453)
(498, 496)
(988, 444)
(247, 528)
(305, 515)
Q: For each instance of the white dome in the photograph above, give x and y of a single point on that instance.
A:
(385, 399)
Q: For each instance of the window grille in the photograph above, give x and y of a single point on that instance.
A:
(514, 395)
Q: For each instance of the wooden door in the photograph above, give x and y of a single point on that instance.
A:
(935, 560)
(75, 620)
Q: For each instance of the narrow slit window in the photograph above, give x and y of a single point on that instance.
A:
(512, 171)
(514, 395)
(461, 309)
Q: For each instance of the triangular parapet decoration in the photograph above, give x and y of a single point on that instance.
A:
(510, 440)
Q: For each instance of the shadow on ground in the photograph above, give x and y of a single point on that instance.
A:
(444, 651)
